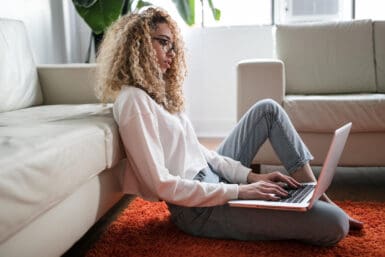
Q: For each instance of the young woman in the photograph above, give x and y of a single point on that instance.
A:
(141, 67)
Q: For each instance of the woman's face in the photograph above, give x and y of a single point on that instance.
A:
(163, 43)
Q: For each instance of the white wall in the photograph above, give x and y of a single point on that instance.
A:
(212, 55)
(210, 87)
(39, 20)
(48, 23)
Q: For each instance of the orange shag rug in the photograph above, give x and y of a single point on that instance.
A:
(144, 229)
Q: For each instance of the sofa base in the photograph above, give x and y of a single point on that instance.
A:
(54, 232)
(362, 149)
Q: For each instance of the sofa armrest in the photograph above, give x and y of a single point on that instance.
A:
(67, 83)
(258, 79)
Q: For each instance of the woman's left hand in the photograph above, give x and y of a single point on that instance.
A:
(274, 177)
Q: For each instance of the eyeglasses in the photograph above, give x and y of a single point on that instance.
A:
(166, 44)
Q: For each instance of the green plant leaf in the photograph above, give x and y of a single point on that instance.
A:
(84, 3)
(186, 9)
(142, 4)
(216, 12)
(101, 14)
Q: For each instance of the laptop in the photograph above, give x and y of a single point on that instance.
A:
(303, 198)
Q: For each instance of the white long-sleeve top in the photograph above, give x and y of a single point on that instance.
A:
(164, 155)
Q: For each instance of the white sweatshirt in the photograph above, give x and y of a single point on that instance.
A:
(164, 155)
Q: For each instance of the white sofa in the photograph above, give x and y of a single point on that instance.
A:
(324, 75)
(60, 151)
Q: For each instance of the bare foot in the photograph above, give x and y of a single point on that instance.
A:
(355, 224)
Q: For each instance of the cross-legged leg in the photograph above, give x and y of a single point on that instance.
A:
(324, 224)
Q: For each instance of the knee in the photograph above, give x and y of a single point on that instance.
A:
(268, 106)
(338, 232)
(336, 229)
(268, 102)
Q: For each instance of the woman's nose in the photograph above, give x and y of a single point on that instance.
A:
(171, 53)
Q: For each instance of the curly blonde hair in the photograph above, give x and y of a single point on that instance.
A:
(126, 57)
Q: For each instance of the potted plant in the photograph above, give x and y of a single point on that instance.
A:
(99, 14)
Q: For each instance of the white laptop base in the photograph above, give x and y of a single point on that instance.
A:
(262, 204)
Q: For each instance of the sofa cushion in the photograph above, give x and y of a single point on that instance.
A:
(320, 113)
(46, 152)
(19, 86)
(379, 50)
(323, 58)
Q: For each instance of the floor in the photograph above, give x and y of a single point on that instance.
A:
(355, 184)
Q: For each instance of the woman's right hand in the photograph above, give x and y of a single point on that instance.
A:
(261, 190)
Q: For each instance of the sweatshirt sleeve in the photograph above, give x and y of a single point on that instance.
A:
(229, 168)
(141, 139)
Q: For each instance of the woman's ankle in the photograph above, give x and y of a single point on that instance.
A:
(304, 174)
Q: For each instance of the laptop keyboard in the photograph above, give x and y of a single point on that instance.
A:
(297, 195)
